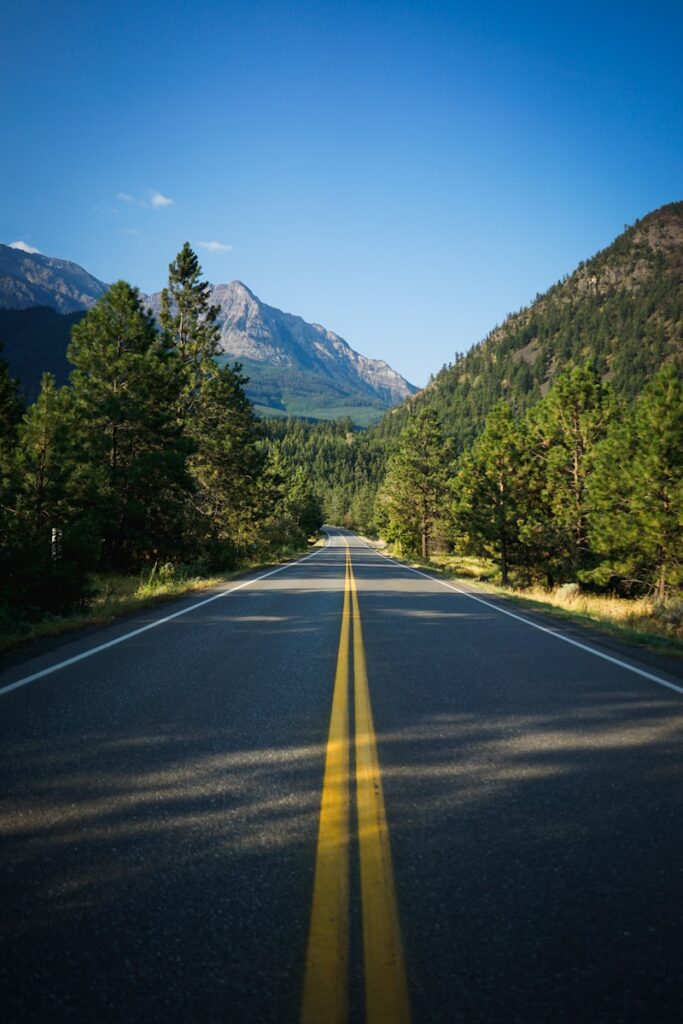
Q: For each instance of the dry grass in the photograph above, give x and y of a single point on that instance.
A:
(642, 621)
(643, 615)
(467, 567)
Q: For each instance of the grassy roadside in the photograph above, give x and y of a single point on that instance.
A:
(117, 595)
(639, 621)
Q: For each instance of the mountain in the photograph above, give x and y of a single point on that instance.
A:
(294, 368)
(298, 368)
(623, 308)
(27, 279)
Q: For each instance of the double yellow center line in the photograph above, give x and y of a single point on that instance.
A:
(326, 985)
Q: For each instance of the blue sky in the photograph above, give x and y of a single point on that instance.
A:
(405, 174)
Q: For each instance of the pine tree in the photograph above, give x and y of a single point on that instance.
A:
(225, 466)
(363, 507)
(125, 390)
(290, 508)
(45, 461)
(188, 323)
(51, 546)
(637, 490)
(216, 416)
(302, 503)
(413, 496)
(489, 492)
(563, 430)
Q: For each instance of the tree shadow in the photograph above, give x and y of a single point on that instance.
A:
(159, 849)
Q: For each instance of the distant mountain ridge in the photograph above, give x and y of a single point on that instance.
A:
(306, 355)
(294, 368)
(623, 309)
(30, 279)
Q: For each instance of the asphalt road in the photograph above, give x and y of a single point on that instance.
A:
(516, 856)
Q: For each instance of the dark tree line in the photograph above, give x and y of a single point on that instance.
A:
(152, 453)
(343, 465)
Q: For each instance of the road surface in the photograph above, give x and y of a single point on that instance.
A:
(341, 791)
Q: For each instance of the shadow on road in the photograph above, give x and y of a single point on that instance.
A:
(165, 868)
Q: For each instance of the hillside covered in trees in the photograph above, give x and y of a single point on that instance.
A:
(622, 309)
(554, 448)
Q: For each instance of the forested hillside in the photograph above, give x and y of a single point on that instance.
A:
(623, 309)
(554, 448)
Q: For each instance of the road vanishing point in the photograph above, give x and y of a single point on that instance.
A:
(341, 791)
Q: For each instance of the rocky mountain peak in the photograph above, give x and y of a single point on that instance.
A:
(28, 278)
(254, 331)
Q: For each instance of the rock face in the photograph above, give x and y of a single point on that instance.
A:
(254, 332)
(30, 279)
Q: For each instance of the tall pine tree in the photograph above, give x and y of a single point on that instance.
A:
(637, 490)
(562, 431)
(412, 498)
(125, 385)
(490, 492)
(188, 323)
(215, 414)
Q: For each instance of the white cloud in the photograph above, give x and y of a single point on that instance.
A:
(215, 246)
(25, 247)
(158, 199)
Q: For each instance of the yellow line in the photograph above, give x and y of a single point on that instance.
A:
(386, 991)
(326, 984)
(325, 998)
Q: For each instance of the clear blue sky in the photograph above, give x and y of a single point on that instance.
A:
(403, 173)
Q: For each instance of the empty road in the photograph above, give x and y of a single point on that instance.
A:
(341, 791)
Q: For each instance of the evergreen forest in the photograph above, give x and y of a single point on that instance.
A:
(151, 456)
(553, 449)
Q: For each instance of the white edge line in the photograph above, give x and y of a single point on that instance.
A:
(536, 625)
(151, 625)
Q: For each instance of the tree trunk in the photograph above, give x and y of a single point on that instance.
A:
(661, 582)
(504, 560)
